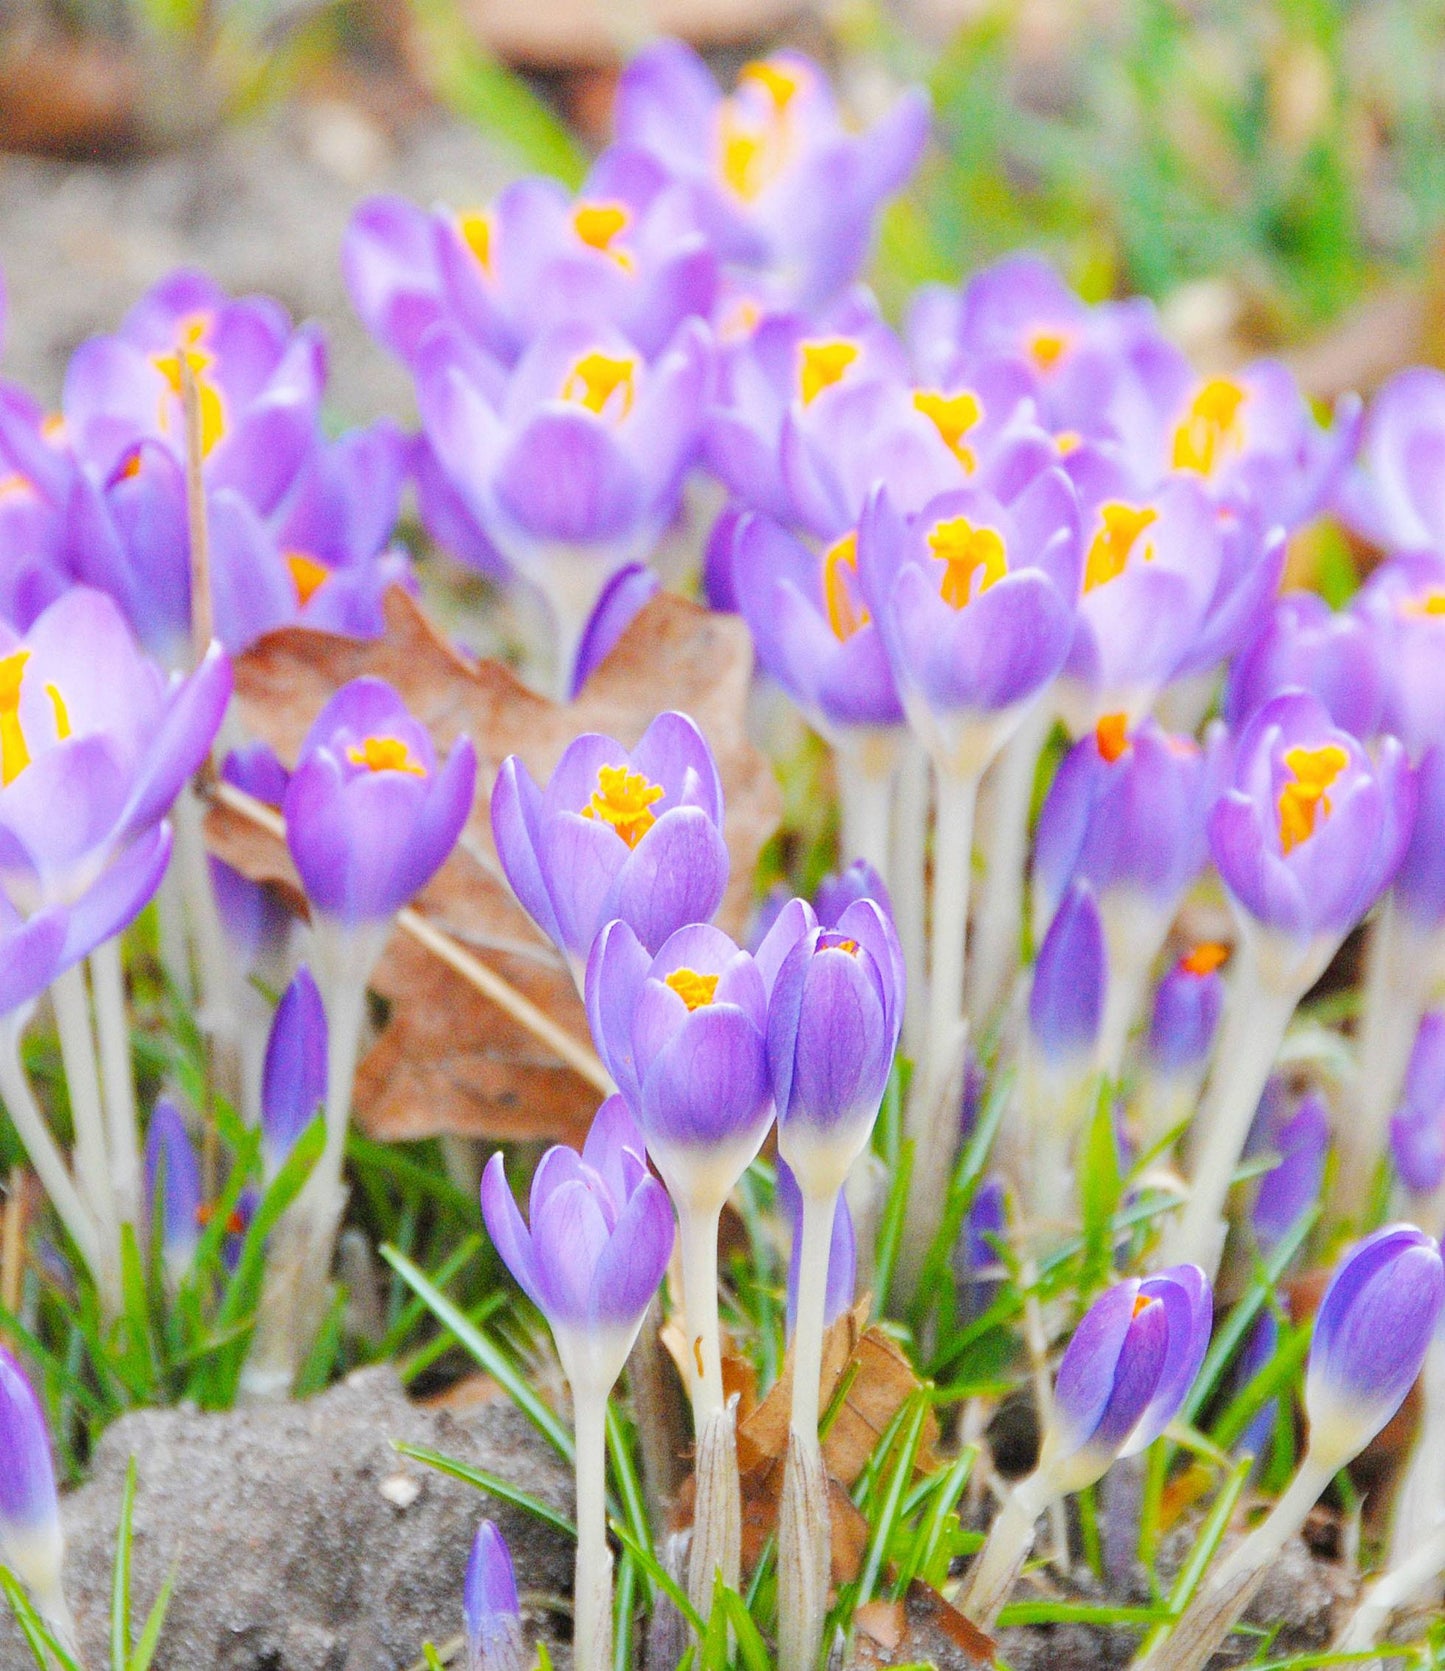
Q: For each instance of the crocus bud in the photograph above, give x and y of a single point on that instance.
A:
(1259, 1348)
(173, 1186)
(1371, 1332)
(371, 815)
(684, 1035)
(622, 601)
(1066, 1003)
(635, 835)
(293, 1085)
(489, 1600)
(1293, 1185)
(253, 915)
(836, 893)
(1125, 1373)
(31, 1542)
(600, 1237)
(1417, 1131)
(842, 1251)
(978, 1264)
(1186, 1012)
(833, 1022)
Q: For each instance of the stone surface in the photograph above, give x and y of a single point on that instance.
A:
(300, 1540)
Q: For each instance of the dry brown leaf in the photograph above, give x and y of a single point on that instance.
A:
(447, 1059)
(922, 1629)
(572, 33)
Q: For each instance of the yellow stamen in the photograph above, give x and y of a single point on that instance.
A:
(1142, 1302)
(625, 800)
(213, 411)
(385, 754)
(840, 572)
(62, 713)
(1303, 799)
(1206, 957)
(15, 486)
(695, 990)
(1120, 526)
(14, 753)
(598, 224)
(744, 157)
(1066, 440)
(1429, 603)
(953, 416)
(308, 575)
(1211, 427)
(1046, 348)
(475, 229)
(781, 85)
(595, 378)
(821, 364)
(52, 427)
(1111, 736)
(967, 551)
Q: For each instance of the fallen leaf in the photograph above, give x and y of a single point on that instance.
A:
(922, 1629)
(571, 33)
(448, 1060)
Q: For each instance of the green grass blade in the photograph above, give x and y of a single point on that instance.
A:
(120, 1643)
(885, 1527)
(150, 1636)
(39, 1637)
(489, 1483)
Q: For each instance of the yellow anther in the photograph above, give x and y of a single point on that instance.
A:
(1046, 348)
(599, 224)
(1428, 603)
(213, 410)
(14, 752)
(624, 799)
(840, 574)
(1111, 736)
(1142, 1302)
(695, 990)
(596, 378)
(780, 84)
(1206, 957)
(822, 364)
(1120, 527)
(1211, 427)
(474, 227)
(1304, 798)
(308, 574)
(967, 552)
(386, 754)
(953, 416)
(62, 713)
(1066, 440)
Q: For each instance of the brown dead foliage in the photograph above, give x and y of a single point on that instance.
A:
(922, 1629)
(448, 1060)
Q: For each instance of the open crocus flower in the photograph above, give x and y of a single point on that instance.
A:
(1123, 1378)
(1403, 606)
(571, 463)
(626, 251)
(37, 475)
(1306, 645)
(634, 834)
(783, 186)
(1393, 496)
(371, 815)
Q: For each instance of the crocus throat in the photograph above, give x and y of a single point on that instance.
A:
(386, 754)
(1206, 957)
(753, 150)
(474, 227)
(598, 225)
(953, 416)
(1120, 526)
(213, 411)
(846, 615)
(1212, 427)
(966, 552)
(694, 989)
(1304, 797)
(308, 574)
(596, 378)
(1111, 736)
(14, 751)
(624, 799)
(822, 364)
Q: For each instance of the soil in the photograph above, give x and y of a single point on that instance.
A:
(300, 1540)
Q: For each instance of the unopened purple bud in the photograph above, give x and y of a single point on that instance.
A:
(842, 1251)
(1293, 1186)
(1371, 1332)
(623, 599)
(978, 1262)
(293, 1083)
(31, 1543)
(1417, 1132)
(836, 893)
(173, 1183)
(489, 1599)
(1258, 1350)
(1187, 1007)
(1066, 1004)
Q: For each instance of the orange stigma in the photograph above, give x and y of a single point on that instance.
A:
(386, 754)
(308, 575)
(966, 552)
(1304, 798)
(840, 575)
(1211, 428)
(953, 416)
(624, 800)
(821, 365)
(596, 378)
(1119, 531)
(1142, 1302)
(1111, 736)
(695, 990)
(1206, 957)
(1046, 348)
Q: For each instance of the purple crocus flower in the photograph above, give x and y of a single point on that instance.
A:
(1292, 1186)
(371, 815)
(490, 1606)
(1071, 975)
(1371, 1331)
(600, 1237)
(842, 1252)
(978, 1263)
(684, 1035)
(1417, 1130)
(623, 599)
(1126, 1372)
(626, 252)
(31, 1541)
(835, 893)
(1393, 495)
(1259, 1348)
(37, 475)
(1312, 829)
(1187, 1007)
(616, 833)
(1419, 885)
(782, 185)
(293, 1083)
(173, 1186)
(834, 1016)
(1306, 645)
(254, 916)
(1403, 606)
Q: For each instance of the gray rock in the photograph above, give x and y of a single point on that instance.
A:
(285, 1528)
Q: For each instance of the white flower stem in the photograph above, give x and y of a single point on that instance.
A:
(1004, 838)
(952, 872)
(817, 1233)
(216, 973)
(865, 769)
(1420, 1500)
(697, 1234)
(82, 1080)
(592, 1594)
(49, 1163)
(1403, 1584)
(998, 1564)
(907, 872)
(1256, 1016)
(107, 985)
